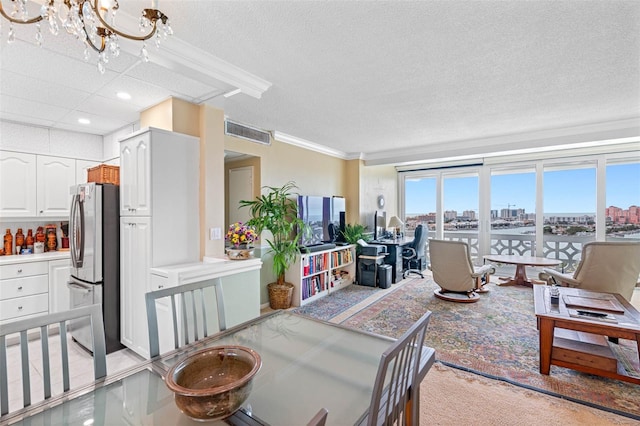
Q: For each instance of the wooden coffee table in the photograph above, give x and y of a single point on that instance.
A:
(520, 277)
(580, 344)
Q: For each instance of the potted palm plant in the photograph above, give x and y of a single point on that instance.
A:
(277, 212)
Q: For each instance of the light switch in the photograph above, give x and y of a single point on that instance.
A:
(215, 233)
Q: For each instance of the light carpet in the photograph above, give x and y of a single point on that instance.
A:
(502, 343)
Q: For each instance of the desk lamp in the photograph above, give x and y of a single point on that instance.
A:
(397, 224)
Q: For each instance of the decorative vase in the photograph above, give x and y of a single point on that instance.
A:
(239, 253)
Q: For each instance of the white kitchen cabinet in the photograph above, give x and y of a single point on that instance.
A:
(135, 175)
(54, 176)
(59, 295)
(17, 184)
(135, 252)
(159, 187)
(24, 289)
(81, 169)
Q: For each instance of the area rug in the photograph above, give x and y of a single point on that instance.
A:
(495, 337)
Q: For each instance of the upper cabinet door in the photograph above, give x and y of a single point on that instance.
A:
(17, 184)
(81, 169)
(55, 177)
(135, 176)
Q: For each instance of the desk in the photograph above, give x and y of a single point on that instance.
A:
(394, 256)
(520, 277)
(306, 364)
(578, 343)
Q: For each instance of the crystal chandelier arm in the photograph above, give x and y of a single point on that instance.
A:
(20, 21)
(152, 15)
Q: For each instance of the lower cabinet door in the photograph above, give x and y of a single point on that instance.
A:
(59, 272)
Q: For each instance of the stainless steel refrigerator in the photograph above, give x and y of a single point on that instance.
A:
(94, 228)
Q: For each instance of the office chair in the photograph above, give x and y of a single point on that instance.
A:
(413, 254)
(190, 314)
(333, 233)
(43, 322)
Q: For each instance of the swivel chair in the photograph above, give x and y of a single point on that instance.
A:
(611, 267)
(453, 271)
(413, 254)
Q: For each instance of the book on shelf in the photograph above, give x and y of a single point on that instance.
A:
(592, 315)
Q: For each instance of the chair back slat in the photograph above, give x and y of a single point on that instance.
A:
(397, 379)
(193, 320)
(174, 314)
(42, 324)
(24, 356)
(46, 370)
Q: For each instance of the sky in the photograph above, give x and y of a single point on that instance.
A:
(566, 191)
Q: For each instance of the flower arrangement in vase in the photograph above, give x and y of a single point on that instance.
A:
(241, 237)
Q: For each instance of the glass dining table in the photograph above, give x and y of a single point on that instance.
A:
(307, 364)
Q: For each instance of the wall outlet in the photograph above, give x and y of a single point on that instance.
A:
(215, 233)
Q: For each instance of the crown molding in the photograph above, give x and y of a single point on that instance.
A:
(180, 56)
(312, 146)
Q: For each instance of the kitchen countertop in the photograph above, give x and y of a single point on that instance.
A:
(43, 257)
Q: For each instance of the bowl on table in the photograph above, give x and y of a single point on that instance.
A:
(213, 383)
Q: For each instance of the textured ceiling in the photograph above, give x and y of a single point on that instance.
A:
(361, 77)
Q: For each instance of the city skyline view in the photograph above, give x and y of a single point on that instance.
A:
(518, 191)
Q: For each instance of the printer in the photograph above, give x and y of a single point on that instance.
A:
(374, 250)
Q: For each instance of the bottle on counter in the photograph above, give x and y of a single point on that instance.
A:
(29, 240)
(19, 241)
(40, 237)
(52, 238)
(8, 243)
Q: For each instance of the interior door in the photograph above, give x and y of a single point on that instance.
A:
(240, 188)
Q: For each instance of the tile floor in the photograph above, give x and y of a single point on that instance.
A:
(80, 368)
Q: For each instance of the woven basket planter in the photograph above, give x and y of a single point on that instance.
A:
(280, 295)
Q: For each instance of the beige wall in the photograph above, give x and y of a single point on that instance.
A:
(314, 173)
(375, 181)
(212, 183)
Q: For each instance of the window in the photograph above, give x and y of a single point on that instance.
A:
(513, 211)
(622, 214)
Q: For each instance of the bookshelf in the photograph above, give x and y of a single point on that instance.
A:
(315, 275)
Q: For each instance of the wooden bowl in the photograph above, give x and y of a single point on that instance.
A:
(213, 383)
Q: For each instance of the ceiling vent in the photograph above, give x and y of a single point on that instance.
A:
(246, 132)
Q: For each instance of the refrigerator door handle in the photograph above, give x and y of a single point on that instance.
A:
(78, 229)
(79, 287)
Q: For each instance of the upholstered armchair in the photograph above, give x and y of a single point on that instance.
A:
(453, 271)
(611, 267)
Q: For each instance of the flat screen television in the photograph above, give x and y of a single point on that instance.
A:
(318, 212)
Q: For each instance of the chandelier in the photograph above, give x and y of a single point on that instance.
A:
(90, 21)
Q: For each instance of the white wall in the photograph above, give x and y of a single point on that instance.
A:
(40, 140)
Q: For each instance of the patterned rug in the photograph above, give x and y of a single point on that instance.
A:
(495, 337)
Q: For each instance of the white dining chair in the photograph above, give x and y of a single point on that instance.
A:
(190, 313)
(395, 398)
(42, 326)
(320, 419)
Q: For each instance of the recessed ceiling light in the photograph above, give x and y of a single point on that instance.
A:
(84, 121)
(123, 95)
